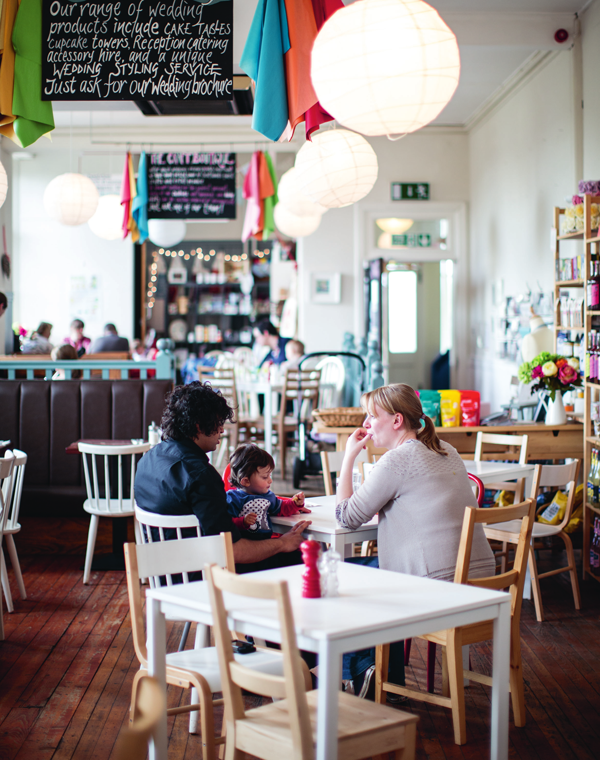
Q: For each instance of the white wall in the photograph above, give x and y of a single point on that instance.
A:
(521, 164)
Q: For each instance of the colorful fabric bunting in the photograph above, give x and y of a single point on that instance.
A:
(139, 206)
(263, 61)
(128, 194)
(302, 29)
(260, 190)
(252, 195)
(7, 70)
(270, 201)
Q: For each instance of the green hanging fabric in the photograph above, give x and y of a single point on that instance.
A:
(270, 202)
(34, 115)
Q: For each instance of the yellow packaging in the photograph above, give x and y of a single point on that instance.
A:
(450, 408)
(554, 513)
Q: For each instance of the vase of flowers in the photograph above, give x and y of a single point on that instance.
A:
(552, 375)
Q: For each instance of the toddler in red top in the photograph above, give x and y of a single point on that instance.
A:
(251, 502)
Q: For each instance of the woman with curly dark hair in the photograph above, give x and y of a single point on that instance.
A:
(176, 478)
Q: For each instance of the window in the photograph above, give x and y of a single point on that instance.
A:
(402, 312)
(446, 301)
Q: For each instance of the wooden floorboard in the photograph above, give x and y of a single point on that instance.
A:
(67, 665)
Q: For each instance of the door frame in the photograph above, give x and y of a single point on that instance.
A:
(461, 370)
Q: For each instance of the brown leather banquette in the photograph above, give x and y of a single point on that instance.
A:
(42, 418)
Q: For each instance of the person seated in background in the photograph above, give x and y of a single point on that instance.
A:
(251, 501)
(77, 339)
(39, 342)
(266, 334)
(109, 342)
(294, 351)
(66, 352)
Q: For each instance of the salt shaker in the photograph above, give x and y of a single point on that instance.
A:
(153, 434)
(332, 559)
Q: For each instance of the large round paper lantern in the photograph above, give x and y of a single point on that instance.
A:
(108, 219)
(384, 67)
(166, 232)
(71, 199)
(294, 199)
(337, 168)
(3, 184)
(292, 225)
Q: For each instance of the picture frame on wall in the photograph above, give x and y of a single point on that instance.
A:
(325, 287)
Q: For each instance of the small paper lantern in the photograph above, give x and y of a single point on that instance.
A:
(384, 67)
(337, 168)
(166, 232)
(71, 199)
(3, 185)
(106, 222)
(292, 225)
(293, 199)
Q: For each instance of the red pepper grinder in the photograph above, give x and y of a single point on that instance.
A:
(311, 579)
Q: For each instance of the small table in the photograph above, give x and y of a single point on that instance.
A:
(374, 607)
(324, 526)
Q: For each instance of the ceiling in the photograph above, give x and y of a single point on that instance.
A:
(497, 39)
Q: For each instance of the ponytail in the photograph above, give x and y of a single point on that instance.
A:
(428, 436)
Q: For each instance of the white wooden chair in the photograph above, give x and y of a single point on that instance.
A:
(331, 461)
(550, 476)
(196, 668)
(150, 705)
(287, 728)
(107, 498)
(13, 489)
(512, 447)
(6, 466)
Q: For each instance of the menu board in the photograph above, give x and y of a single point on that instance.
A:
(191, 185)
(138, 50)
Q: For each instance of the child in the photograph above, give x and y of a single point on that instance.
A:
(250, 501)
(294, 351)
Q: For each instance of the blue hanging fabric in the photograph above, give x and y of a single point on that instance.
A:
(263, 61)
(139, 207)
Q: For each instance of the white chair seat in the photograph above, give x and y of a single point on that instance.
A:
(540, 530)
(112, 509)
(11, 531)
(206, 662)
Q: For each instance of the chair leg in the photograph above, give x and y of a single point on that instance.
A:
(517, 691)
(456, 682)
(194, 699)
(5, 583)
(407, 646)
(382, 663)
(535, 586)
(14, 561)
(504, 557)
(572, 569)
(206, 719)
(430, 665)
(184, 636)
(91, 544)
(134, 689)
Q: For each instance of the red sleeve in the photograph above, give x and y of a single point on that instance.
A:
(239, 522)
(288, 507)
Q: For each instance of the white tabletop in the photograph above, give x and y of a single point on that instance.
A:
(494, 472)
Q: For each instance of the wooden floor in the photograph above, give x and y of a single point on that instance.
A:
(67, 665)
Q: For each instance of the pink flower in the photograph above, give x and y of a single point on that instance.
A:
(567, 374)
(537, 372)
(576, 200)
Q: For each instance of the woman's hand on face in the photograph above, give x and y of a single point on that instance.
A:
(357, 442)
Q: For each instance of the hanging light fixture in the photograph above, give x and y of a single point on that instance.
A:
(106, 222)
(3, 184)
(166, 232)
(337, 168)
(394, 226)
(71, 199)
(292, 225)
(385, 67)
(294, 199)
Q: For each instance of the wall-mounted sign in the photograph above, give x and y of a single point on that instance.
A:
(410, 191)
(191, 186)
(412, 241)
(138, 50)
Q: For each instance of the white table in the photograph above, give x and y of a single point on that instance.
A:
(324, 526)
(496, 472)
(374, 607)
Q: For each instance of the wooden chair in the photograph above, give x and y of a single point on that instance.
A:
(331, 461)
(195, 668)
(550, 476)
(453, 639)
(107, 499)
(514, 447)
(287, 728)
(301, 387)
(222, 379)
(150, 704)
(6, 466)
(13, 489)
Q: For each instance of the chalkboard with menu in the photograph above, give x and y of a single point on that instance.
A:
(137, 50)
(191, 185)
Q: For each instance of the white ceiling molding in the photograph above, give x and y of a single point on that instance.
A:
(516, 28)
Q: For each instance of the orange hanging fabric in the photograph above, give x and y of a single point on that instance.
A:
(300, 92)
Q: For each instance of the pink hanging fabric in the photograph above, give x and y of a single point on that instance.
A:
(252, 195)
(126, 197)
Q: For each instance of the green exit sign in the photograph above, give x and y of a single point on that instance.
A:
(410, 191)
(412, 241)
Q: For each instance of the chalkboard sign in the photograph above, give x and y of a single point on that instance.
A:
(138, 50)
(191, 186)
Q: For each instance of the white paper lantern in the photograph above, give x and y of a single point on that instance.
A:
(292, 225)
(293, 199)
(108, 219)
(337, 168)
(3, 185)
(384, 67)
(166, 232)
(71, 199)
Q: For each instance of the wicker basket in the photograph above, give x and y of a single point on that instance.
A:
(340, 416)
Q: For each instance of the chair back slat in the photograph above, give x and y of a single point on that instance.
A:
(499, 439)
(15, 485)
(117, 463)
(6, 477)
